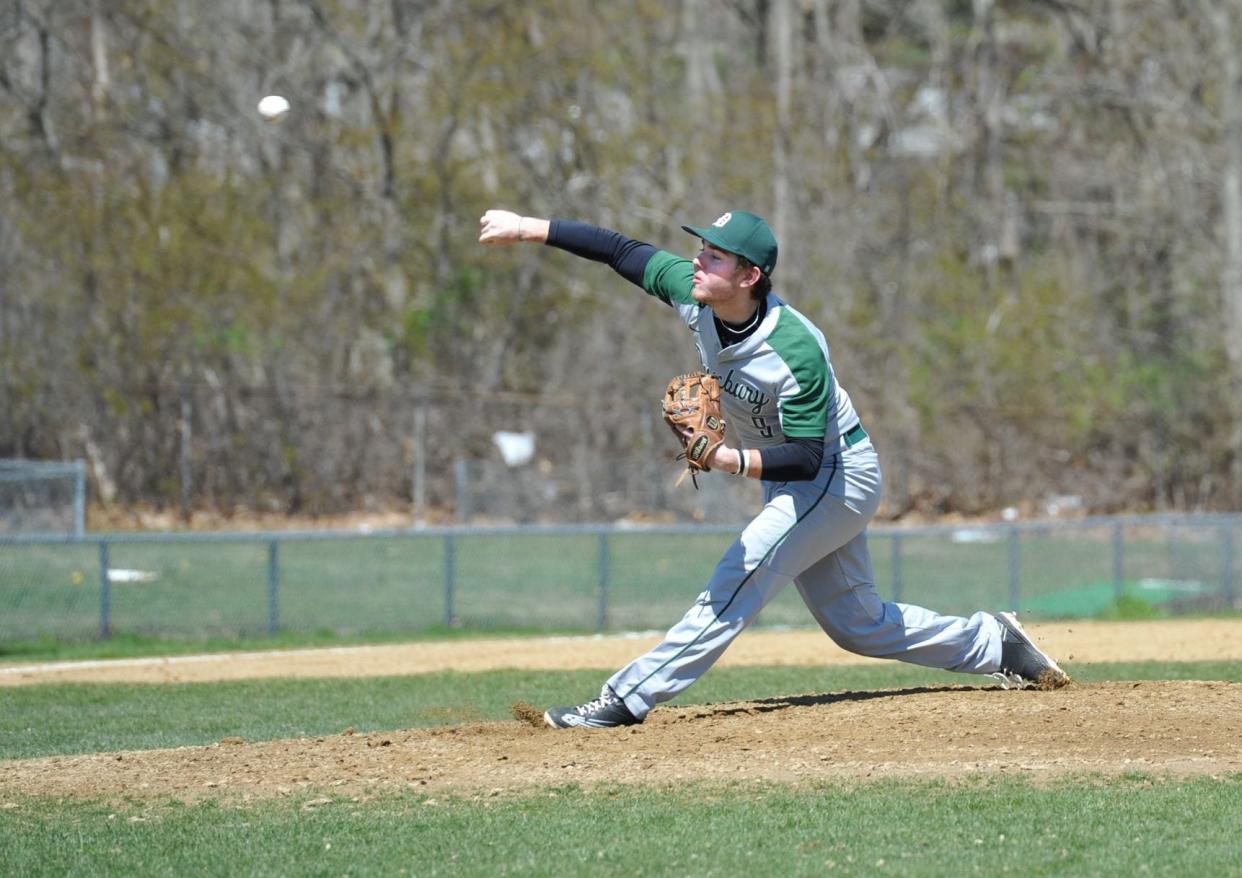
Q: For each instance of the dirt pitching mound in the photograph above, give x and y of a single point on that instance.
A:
(527, 713)
(1180, 728)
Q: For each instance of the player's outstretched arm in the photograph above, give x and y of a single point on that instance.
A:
(507, 227)
(624, 255)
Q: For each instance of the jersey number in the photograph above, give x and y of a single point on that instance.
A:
(762, 425)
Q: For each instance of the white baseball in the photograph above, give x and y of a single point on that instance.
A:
(273, 107)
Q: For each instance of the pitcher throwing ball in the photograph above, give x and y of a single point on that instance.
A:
(790, 425)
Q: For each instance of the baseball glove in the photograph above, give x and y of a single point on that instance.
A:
(691, 408)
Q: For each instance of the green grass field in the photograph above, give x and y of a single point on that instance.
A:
(1126, 827)
(1133, 825)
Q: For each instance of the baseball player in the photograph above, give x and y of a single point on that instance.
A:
(793, 427)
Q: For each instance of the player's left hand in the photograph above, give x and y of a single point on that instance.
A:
(499, 227)
(691, 407)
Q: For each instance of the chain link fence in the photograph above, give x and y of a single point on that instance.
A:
(574, 578)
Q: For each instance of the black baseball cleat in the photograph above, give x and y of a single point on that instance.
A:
(1023, 663)
(604, 712)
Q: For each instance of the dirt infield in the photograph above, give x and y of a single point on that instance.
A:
(1160, 727)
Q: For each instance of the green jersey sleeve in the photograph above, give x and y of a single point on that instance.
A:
(669, 278)
(804, 403)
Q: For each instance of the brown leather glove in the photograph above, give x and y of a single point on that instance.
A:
(691, 407)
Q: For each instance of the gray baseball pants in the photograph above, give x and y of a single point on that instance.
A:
(814, 533)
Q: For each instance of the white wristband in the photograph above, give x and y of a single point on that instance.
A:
(520, 227)
(743, 463)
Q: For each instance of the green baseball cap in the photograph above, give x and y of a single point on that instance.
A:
(742, 233)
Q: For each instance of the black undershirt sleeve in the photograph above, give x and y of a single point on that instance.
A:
(796, 460)
(625, 256)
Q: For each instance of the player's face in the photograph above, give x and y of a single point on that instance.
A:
(717, 278)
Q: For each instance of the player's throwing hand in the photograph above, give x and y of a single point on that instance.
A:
(499, 227)
(507, 227)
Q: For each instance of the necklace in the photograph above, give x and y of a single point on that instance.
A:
(750, 324)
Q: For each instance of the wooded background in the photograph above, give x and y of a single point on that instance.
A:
(1019, 224)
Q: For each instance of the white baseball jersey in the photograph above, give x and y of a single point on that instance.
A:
(777, 383)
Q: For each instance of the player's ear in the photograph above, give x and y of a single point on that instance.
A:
(749, 276)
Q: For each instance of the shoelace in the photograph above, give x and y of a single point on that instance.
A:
(605, 699)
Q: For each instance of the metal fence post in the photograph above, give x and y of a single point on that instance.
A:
(1226, 564)
(450, 562)
(896, 556)
(461, 470)
(105, 593)
(79, 498)
(1119, 561)
(601, 621)
(273, 584)
(1015, 572)
(420, 462)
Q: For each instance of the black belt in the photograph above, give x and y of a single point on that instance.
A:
(854, 435)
